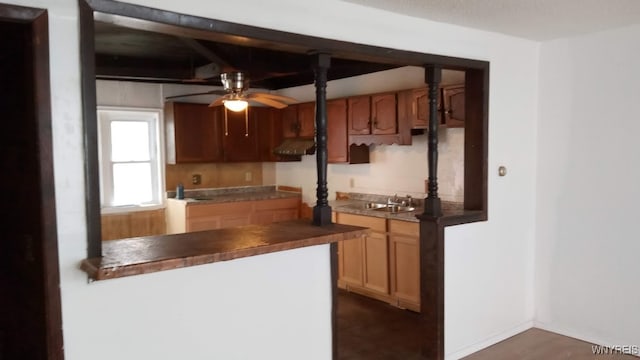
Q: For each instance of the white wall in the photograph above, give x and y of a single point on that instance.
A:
(488, 265)
(587, 246)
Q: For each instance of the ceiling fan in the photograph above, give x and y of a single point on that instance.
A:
(235, 96)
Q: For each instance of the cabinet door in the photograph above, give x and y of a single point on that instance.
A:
(369, 262)
(194, 134)
(203, 216)
(307, 119)
(337, 139)
(241, 135)
(384, 115)
(350, 267)
(453, 98)
(359, 115)
(419, 108)
(290, 126)
(376, 263)
(269, 123)
(275, 210)
(404, 255)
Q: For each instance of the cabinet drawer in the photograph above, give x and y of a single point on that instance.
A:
(197, 210)
(374, 223)
(404, 228)
(277, 204)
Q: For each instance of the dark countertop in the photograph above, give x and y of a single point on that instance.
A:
(223, 195)
(148, 254)
(356, 205)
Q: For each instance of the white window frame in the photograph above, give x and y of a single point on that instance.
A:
(154, 117)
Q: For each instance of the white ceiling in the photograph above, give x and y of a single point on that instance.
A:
(532, 19)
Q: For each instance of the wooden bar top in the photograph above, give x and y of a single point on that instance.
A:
(148, 254)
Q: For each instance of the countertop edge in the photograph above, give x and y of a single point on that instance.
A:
(272, 242)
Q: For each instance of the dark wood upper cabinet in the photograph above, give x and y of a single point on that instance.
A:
(453, 99)
(307, 119)
(359, 115)
(338, 148)
(337, 137)
(383, 114)
(299, 120)
(289, 121)
(240, 139)
(415, 104)
(373, 114)
(269, 132)
(193, 133)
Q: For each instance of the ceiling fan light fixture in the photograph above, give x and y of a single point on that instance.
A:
(236, 105)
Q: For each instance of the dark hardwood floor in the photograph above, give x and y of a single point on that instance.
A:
(369, 329)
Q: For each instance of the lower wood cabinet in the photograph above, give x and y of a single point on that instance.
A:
(404, 259)
(183, 216)
(385, 264)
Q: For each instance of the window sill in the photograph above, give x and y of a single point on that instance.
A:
(130, 209)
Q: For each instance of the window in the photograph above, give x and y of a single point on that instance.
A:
(130, 159)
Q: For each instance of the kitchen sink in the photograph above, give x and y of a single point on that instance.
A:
(374, 206)
(393, 208)
(383, 207)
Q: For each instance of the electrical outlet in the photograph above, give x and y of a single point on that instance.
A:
(196, 179)
(248, 176)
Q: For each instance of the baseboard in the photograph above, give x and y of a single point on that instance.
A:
(573, 333)
(489, 341)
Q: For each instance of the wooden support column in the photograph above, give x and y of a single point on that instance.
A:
(322, 210)
(432, 238)
(333, 249)
(432, 288)
(432, 206)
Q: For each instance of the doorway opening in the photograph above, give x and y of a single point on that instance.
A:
(29, 276)
(475, 135)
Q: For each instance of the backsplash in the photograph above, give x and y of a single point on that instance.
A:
(214, 175)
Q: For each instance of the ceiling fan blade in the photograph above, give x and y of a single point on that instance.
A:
(211, 92)
(218, 101)
(270, 102)
(280, 98)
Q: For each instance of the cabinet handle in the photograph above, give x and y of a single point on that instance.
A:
(226, 124)
(413, 108)
(246, 122)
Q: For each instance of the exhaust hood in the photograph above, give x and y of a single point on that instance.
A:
(296, 147)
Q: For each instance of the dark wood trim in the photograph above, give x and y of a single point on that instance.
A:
(39, 24)
(48, 205)
(207, 27)
(432, 228)
(333, 248)
(227, 31)
(322, 210)
(432, 288)
(432, 203)
(476, 139)
(20, 13)
(90, 123)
